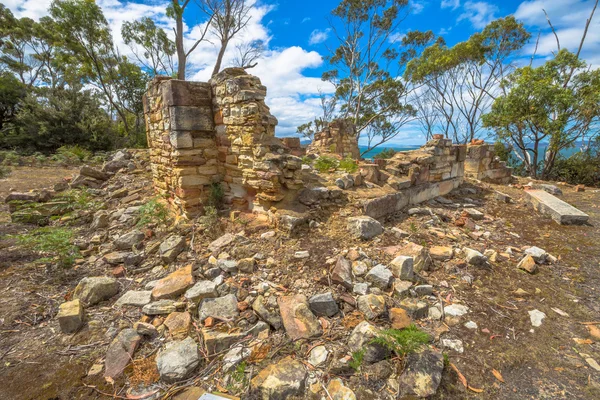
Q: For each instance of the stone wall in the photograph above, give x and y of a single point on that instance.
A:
(420, 175)
(217, 133)
(338, 138)
(483, 164)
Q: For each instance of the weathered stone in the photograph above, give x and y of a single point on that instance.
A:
(145, 329)
(269, 315)
(318, 355)
(323, 305)
(338, 391)
(371, 305)
(456, 310)
(160, 307)
(473, 214)
(441, 253)
(116, 257)
(342, 273)
(364, 227)
(217, 245)
(135, 298)
(362, 337)
(380, 277)
(399, 318)
(539, 255)
(173, 284)
(298, 320)
(220, 307)
(201, 290)
(70, 316)
(120, 352)
(178, 360)
(402, 288)
(402, 268)
(423, 290)
(454, 344)
(86, 170)
(171, 248)
(415, 308)
(281, 381)
(536, 317)
(421, 258)
(561, 212)
(422, 374)
(178, 324)
(93, 290)
(217, 341)
(528, 264)
(100, 220)
(474, 257)
(128, 240)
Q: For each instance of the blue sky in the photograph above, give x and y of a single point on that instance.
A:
(297, 38)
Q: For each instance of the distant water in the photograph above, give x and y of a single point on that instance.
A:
(379, 149)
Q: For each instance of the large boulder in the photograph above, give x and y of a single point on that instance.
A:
(178, 360)
(364, 227)
(93, 290)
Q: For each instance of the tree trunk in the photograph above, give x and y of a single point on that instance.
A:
(181, 57)
(220, 57)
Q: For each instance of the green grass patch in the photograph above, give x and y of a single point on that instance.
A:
(348, 165)
(357, 359)
(153, 212)
(55, 243)
(402, 341)
(325, 164)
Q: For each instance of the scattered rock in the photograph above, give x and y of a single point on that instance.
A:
(128, 240)
(362, 337)
(399, 318)
(135, 298)
(178, 324)
(364, 227)
(171, 248)
(145, 329)
(371, 305)
(100, 220)
(173, 284)
(403, 268)
(70, 316)
(342, 273)
(219, 307)
(93, 290)
(235, 356)
(473, 214)
(88, 171)
(402, 288)
(178, 360)
(201, 290)
(415, 308)
(120, 352)
(318, 355)
(454, 344)
(441, 253)
(323, 305)
(337, 390)
(298, 320)
(456, 310)
(539, 255)
(474, 257)
(471, 325)
(422, 374)
(217, 245)
(269, 315)
(280, 381)
(159, 307)
(379, 276)
(217, 341)
(528, 264)
(536, 317)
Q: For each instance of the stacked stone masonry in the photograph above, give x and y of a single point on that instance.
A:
(216, 133)
(483, 164)
(338, 138)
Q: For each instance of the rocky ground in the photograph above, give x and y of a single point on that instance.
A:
(473, 295)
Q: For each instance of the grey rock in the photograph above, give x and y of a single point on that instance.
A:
(360, 288)
(128, 240)
(415, 308)
(230, 266)
(235, 356)
(364, 227)
(454, 344)
(456, 310)
(135, 298)
(281, 381)
(423, 290)
(318, 355)
(474, 257)
(217, 245)
(323, 305)
(100, 220)
(120, 352)
(403, 268)
(221, 307)
(171, 248)
(422, 374)
(88, 171)
(201, 290)
(178, 360)
(93, 290)
(380, 277)
(371, 305)
(539, 255)
(145, 329)
(402, 288)
(362, 337)
(159, 307)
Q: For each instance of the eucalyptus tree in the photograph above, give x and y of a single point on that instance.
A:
(157, 49)
(366, 68)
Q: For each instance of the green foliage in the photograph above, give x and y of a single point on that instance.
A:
(325, 164)
(154, 212)
(402, 341)
(579, 168)
(357, 359)
(385, 154)
(211, 222)
(157, 48)
(10, 158)
(12, 93)
(348, 165)
(54, 242)
(4, 171)
(216, 195)
(75, 151)
(413, 227)
(239, 375)
(555, 103)
(307, 160)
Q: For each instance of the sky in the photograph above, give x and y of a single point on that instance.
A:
(297, 35)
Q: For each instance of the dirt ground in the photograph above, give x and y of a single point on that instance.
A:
(38, 362)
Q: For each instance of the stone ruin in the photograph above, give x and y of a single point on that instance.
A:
(339, 138)
(219, 137)
(218, 133)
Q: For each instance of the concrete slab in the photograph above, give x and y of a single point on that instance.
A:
(561, 212)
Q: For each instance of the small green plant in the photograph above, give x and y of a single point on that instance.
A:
(402, 341)
(75, 153)
(216, 195)
(357, 359)
(446, 359)
(153, 213)
(210, 222)
(4, 171)
(11, 158)
(54, 242)
(325, 164)
(307, 160)
(385, 154)
(239, 375)
(348, 165)
(413, 228)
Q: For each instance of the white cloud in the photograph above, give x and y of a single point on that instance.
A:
(417, 6)
(306, 19)
(479, 13)
(318, 36)
(396, 37)
(453, 4)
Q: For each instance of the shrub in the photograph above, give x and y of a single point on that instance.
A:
(153, 212)
(54, 242)
(4, 171)
(348, 165)
(385, 154)
(307, 160)
(10, 158)
(579, 168)
(75, 152)
(402, 341)
(210, 222)
(216, 195)
(325, 163)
